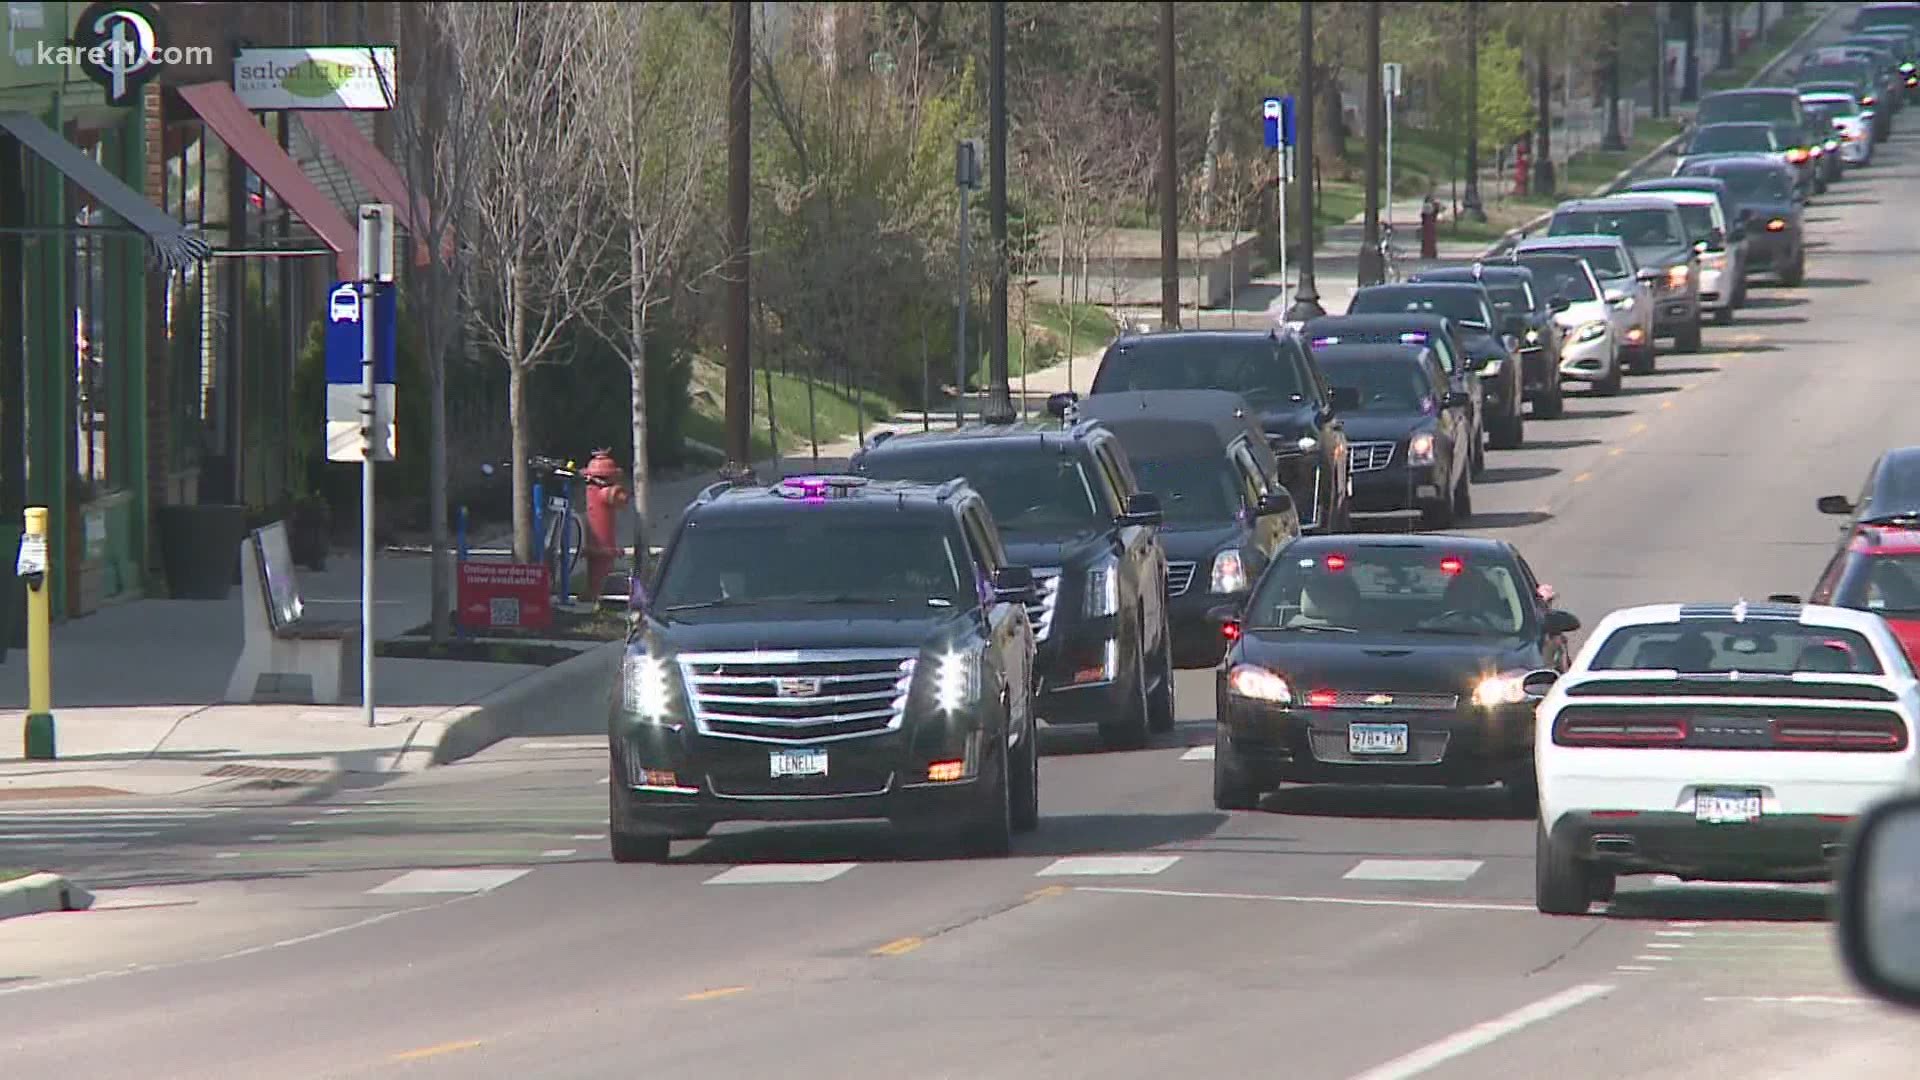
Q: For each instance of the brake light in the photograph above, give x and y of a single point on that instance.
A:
(1322, 699)
(1624, 733)
(1796, 155)
(1230, 630)
(1336, 562)
(1868, 100)
(1777, 225)
(1452, 565)
(1841, 734)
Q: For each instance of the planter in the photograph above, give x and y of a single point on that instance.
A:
(200, 549)
(310, 533)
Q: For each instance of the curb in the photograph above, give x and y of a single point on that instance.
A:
(38, 893)
(1626, 175)
(469, 729)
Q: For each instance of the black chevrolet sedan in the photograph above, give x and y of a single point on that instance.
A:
(1385, 660)
(1409, 440)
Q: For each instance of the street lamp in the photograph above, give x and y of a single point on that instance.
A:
(1613, 139)
(1306, 298)
(966, 177)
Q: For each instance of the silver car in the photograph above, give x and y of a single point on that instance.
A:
(1629, 296)
(1721, 266)
(1589, 346)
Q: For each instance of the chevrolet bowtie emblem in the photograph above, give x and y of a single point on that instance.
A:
(1380, 699)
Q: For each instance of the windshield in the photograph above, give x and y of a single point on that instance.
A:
(1716, 647)
(1383, 386)
(1028, 488)
(1698, 218)
(1384, 588)
(1605, 261)
(1192, 491)
(1511, 299)
(1252, 368)
(822, 558)
(1732, 139)
(1853, 75)
(1825, 111)
(1639, 228)
(1558, 275)
(1754, 185)
(1463, 306)
(1886, 584)
(1740, 108)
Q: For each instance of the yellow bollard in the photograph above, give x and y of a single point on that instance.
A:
(32, 566)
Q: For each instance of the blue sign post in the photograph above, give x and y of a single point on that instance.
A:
(345, 349)
(1276, 116)
(1276, 113)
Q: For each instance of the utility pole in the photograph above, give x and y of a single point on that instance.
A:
(999, 406)
(1662, 86)
(966, 177)
(1690, 77)
(739, 192)
(1726, 35)
(1371, 272)
(1543, 142)
(1169, 183)
(1306, 298)
(1613, 139)
(1470, 201)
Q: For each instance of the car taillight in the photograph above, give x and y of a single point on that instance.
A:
(1841, 734)
(1777, 225)
(1796, 155)
(1627, 732)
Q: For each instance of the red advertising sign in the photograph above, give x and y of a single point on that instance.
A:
(504, 596)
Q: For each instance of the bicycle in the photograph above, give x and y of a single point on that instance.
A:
(561, 529)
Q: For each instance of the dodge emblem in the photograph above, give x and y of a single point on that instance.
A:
(792, 688)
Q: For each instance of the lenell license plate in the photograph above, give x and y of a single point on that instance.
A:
(799, 763)
(1377, 739)
(1726, 806)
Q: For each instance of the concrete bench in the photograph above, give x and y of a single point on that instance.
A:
(287, 656)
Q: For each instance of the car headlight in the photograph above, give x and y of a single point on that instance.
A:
(1103, 591)
(645, 691)
(1777, 225)
(1677, 276)
(956, 681)
(1716, 261)
(1420, 448)
(1229, 573)
(1491, 367)
(1307, 444)
(1622, 303)
(1593, 331)
(1259, 684)
(1496, 690)
(1533, 337)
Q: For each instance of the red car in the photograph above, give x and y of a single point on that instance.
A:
(1878, 571)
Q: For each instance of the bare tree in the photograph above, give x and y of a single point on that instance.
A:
(656, 121)
(430, 124)
(538, 235)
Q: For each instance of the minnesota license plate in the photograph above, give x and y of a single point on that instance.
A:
(1377, 739)
(1726, 806)
(799, 763)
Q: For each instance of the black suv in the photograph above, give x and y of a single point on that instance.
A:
(1409, 435)
(1275, 373)
(1068, 506)
(1525, 314)
(1433, 331)
(1225, 514)
(826, 649)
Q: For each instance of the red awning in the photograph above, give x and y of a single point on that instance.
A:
(230, 119)
(375, 172)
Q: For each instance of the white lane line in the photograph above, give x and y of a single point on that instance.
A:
(62, 845)
(1801, 999)
(339, 810)
(121, 811)
(589, 836)
(89, 834)
(1660, 958)
(1635, 967)
(449, 881)
(1198, 753)
(226, 854)
(602, 780)
(1689, 925)
(1107, 865)
(1665, 945)
(557, 853)
(564, 746)
(306, 821)
(1465, 1042)
(1352, 901)
(780, 874)
(264, 838)
(1413, 870)
(1673, 933)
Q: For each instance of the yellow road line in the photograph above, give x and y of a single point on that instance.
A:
(1615, 452)
(709, 995)
(900, 946)
(1666, 404)
(1637, 428)
(1583, 478)
(436, 1051)
(1051, 890)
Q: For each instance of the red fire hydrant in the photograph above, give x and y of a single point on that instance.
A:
(1430, 229)
(604, 501)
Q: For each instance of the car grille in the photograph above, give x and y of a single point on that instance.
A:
(1046, 582)
(1179, 578)
(813, 696)
(1369, 456)
(1394, 699)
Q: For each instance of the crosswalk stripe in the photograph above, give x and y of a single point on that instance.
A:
(99, 834)
(448, 881)
(1198, 753)
(1413, 870)
(1108, 865)
(780, 874)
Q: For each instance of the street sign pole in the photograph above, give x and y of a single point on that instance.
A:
(1276, 116)
(376, 266)
(1391, 86)
(966, 177)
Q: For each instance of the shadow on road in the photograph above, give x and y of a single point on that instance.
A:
(1764, 302)
(1730, 903)
(1769, 320)
(1590, 414)
(1560, 444)
(1512, 474)
(1690, 370)
(1512, 519)
(1058, 835)
(1834, 282)
(1407, 803)
(1643, 390)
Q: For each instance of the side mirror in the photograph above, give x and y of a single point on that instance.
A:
(1559, 622)
(1878, 920)
(1058, 404)
(1537, 684)
(1547, 594)
(1227, 618)
(1143, 508)
(1014, 585)
(1345, 398)
(1700, 247)
(1785, 598)
(1834, 504)
(1458, 399)
(1274, 502)
(1559, 304)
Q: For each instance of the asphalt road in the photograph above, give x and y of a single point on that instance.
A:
(1336, 933)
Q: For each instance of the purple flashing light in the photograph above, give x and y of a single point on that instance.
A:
(1414, 337)
(1321, 341)
(813, 483)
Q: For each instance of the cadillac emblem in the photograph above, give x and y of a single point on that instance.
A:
(797, 688)
(1380, 699)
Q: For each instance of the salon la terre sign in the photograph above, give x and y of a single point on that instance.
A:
(334, 77)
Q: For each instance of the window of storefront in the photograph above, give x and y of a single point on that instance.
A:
(100, 357)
